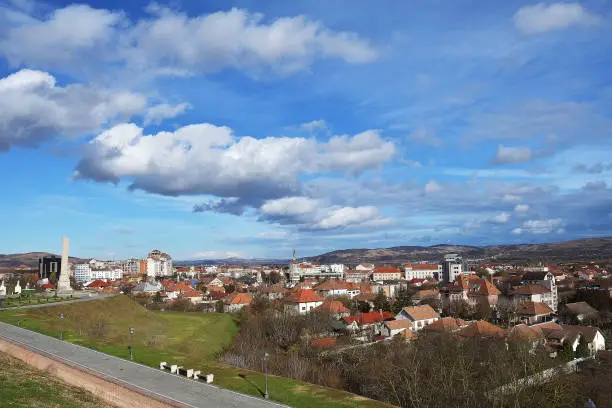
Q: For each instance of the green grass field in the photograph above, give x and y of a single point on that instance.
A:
(22, 386)
(194, 340)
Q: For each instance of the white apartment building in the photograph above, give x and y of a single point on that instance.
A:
(159, 264)
(422, 271)
(452, 266)
(338, 269)
(298, 270)
(106, 274)
(82, 272)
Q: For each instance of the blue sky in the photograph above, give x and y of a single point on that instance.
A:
(215, 129)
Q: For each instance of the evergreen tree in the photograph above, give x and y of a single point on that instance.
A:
(567, 354)
(53, 278)
(403, 298)
(381, 302)
(583, 348)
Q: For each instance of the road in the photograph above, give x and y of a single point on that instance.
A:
(146, 380)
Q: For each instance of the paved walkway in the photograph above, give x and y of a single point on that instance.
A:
(146, 380)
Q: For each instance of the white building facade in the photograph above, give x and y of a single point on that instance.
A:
(159, 264)
(82, 272)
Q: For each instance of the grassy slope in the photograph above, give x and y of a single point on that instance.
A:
(190, 339)
(24, 386)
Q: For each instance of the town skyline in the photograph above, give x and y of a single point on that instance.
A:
(257, 128)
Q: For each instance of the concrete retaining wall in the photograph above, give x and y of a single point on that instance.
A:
(115, 393)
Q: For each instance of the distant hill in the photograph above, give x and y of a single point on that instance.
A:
(231, 261)
(29, 259)
(576, 250)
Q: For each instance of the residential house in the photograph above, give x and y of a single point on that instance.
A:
(386, 273)
(482, 292)
(366, 297)
(482, 329)
(302, 301)
(422, 271)
(426, 294)
(579, 311)
(392, 327)
(334, 308)
(367, 321)
(532, 293)
(365, 267)
(446, 324)
(273, 292)
(534, 312)
(211, 281)
(557, 336)
(147, 288)
(522, 333)
(332, 287)
(236, 301)
(420, 316)
(592, 335)
(544, 278)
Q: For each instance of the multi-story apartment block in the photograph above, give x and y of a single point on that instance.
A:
(299, 270)
(452, 266)
(159, 264)
(82, 272)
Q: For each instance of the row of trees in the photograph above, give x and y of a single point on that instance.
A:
(436, 370)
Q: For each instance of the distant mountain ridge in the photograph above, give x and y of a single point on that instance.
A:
(575, 250)
(29, 259)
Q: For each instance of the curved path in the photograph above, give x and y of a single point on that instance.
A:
(145, 380)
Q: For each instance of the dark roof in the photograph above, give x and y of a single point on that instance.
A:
(534, 276)
(581, 308)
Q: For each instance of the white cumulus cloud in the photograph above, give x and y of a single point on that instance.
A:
(312, 213)
(432, 187)
(158, 113)
(509, 155)
(33, 109)
(541, 18)
(168, 42)
(521, 208)
(501, 218)
(209, 159)
(540, 226)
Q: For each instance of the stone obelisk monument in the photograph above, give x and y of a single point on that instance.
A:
(63, 284)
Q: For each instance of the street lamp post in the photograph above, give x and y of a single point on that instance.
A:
(131, 344)
(61, 326)
(266, 355)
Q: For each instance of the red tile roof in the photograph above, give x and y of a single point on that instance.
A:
(98, 284)
(332, 284)
(446, 324)
(422, 312)
(482, 287)
(332, 306)
(482, 329)
(533, 308)
(238, 299)
(368, 318)
(386, 269)
(423, 267)
(303, 296)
